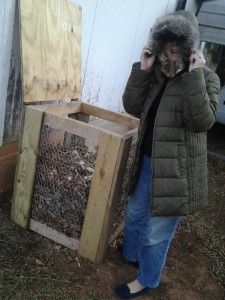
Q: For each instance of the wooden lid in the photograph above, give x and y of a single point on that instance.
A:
(50, 49)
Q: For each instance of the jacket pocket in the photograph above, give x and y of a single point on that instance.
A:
(182, 158)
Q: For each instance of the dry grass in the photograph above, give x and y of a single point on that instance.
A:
(33, 267)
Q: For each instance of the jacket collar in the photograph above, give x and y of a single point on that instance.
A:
(161, 77)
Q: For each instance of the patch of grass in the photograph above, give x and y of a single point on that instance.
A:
(35, 268)
(22, 281)
(92, 296)
(212, 244)
(54, 291)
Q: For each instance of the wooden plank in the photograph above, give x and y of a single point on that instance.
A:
(216, 8)
(6, 184)
(132, 132)
(54, 235)
(123, 130)
(8, 148)
(212, 20)
(109, 115)
(115, 193)
(26, 166)
(8, 164)
(80, 117)
(8, 156)
(85, 130)
(51, 49)
(62, 109)
(110, 126)
(117, 232)
(100, 209)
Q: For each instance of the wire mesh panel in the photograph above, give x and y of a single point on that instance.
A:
(64, 171)
(65, 167)
(122, 201)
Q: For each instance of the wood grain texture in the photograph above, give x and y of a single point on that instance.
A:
(116, 186)
(26, 166)
(60, 109)
(105, 187)
(54, 235)
(8, 156)
(51, 53)
(13, 97)
(108, 115)
(89, 132)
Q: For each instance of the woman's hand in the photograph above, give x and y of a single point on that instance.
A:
(147, 58)
(197, 60)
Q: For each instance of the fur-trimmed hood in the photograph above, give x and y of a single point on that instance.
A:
(180, 26)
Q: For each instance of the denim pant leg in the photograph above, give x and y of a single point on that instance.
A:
(146, 239)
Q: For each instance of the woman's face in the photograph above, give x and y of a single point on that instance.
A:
(172, 51)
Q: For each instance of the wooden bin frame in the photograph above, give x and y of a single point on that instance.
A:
(113, 149)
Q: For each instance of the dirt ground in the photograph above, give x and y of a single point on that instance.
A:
(33, 267)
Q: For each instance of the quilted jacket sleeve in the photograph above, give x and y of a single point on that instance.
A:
(200, 99)
(136, 90)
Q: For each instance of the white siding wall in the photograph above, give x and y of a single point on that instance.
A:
(113, 34)
(7, 11)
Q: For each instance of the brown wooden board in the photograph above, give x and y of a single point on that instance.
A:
(8, 156)
(50, 49)
(85, 130)
(109, 115)
(62, 109)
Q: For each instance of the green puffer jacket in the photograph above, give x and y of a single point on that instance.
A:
(179, 152)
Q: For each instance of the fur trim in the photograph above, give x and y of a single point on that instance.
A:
(181, 27)
(166, 65)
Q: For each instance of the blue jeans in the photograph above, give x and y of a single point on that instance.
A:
(146, 238)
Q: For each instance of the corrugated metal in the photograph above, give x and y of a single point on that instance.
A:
(211, 18)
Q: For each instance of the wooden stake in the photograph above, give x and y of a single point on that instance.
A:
(26, 165)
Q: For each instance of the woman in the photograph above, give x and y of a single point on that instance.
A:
(176, 97)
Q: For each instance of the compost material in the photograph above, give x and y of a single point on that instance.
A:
(65, 167)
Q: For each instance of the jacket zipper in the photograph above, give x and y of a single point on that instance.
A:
(153, 141)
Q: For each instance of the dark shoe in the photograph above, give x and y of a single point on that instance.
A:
(134, 263)
(123, 291)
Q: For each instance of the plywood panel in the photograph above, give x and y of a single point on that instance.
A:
(50, 44)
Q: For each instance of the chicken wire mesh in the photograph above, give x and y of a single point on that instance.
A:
(122, 201)
(64, 171)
